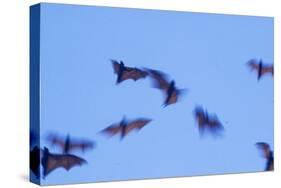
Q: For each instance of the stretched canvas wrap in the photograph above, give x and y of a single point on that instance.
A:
(125, 94)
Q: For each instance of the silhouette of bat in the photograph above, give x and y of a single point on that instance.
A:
(68, 145)
(52, 161)
(206, 121)
(160, 81)
(260, 67)
(267, 154)
(125, 73)
(124, 127)
(34, 161)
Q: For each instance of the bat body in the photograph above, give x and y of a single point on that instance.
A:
(34, 161)
(52, 161)
(125, 127)
(260, 67)
(168, 87)
(208, 122)
(125, 73)
(267, 154)
(68, 145)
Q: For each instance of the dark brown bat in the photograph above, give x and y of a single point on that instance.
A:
(125, 73)
(125, 127)
(267, 154)
(68, 144)
(260, 67)
(206, 121)
(34, 161)
(168, 87)
(52, 161)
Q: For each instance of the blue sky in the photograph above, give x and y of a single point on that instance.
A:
(205, 53)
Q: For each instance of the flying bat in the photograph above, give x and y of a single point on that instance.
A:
(125, 73)
(125, 127)
(267, 154)
(52, 161)
(260, 67)
(67, 144)
(160, 81)
(208, 122)
(34, 161)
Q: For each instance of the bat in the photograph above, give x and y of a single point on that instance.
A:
(125, 73)
(260, 67)
(34, 161)
(267, 154)
(160, 81)
(51, 161)
(68, 145)
(208, 122)
(124, 127)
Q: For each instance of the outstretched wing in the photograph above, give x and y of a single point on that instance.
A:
(34, 161)
(137, 124)
(133, 73)
(267, 69)
(51, 161)
(56, 140)
(115, 65)
(264, 147)
(82, 145)
(160, 79)
(112, 130)
(253, 64)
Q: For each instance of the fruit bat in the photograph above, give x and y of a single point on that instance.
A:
(125, 127)
(267, 154)
(168, 87)
(125, 73)
(52, 161)
(260, 67)
(206, 121)
(68, 144)
(34, 161)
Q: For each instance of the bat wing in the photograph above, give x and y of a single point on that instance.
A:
(173, 98)
(112, 130)
(264, 147)
(200, 117)
(137, 125)
(160, 79)
(133, 73)
(82, 145)
(56, 140)
(267, 69)
(34, 161)
(115, 65)
(253, 64)
(51, 161)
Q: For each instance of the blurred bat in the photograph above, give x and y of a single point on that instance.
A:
(125, 73)
(52, 161)
(168, 87)
(206, 121)
(68, 145)
(267, 154)
(260, 67)
(34, 161)
(125, 127)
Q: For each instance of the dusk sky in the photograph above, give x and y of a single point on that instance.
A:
(204, 53)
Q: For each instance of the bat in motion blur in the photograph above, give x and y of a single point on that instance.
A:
(34, 161)
(52, 161)
(124, 127)
(267, 154)
(160, 81)
(67, 144)
(125, 73)
(208, 122)
(260, 67)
